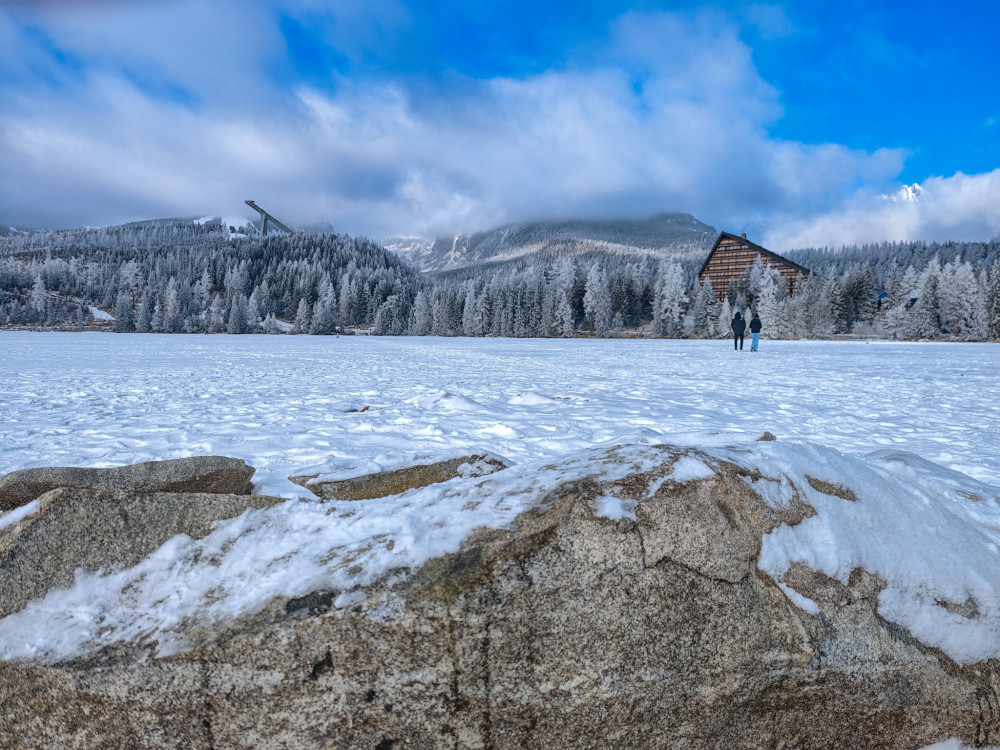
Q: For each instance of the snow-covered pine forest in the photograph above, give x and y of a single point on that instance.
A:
(182, 276)
(177, 277)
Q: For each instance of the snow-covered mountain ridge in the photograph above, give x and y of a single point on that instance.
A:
(669, 233)
(12, 231)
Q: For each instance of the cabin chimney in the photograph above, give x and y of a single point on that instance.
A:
(744, 235)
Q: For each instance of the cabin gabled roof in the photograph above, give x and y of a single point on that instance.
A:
(753, 246)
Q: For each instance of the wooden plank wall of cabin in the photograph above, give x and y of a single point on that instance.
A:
(732, 260)
(728, 264)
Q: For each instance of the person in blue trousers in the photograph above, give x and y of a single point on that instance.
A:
(739, 326)
(754, 332)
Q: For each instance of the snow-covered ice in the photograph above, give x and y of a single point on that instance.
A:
(291, 403)
(908, 429)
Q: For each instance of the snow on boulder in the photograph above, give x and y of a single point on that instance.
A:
(758, 594)
(395, 481)
(71, 529)
(195, 474)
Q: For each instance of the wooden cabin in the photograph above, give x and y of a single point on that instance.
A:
(732, 256)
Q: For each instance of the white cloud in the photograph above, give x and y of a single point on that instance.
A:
(960, 207)
(670, 115)
(214, 50)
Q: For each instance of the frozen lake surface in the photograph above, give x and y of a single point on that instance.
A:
(288, 404)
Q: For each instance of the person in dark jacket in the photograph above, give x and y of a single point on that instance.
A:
(739, 327)
(755, 332)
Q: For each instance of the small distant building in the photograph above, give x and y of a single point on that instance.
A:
(733, 255)
(881, 300)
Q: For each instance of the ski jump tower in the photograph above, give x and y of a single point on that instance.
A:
(265, 217)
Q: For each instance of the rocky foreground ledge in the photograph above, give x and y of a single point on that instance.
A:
(756, 595)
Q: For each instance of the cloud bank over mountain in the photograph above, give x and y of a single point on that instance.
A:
(118, 112)
(960, 207)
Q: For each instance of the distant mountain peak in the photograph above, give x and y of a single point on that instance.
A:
(906, 193)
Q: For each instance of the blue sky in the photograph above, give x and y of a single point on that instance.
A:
(797, 122)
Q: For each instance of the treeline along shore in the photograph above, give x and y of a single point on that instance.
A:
(189, 277)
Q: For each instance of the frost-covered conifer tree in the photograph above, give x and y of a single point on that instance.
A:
(524, 315)
(564, 316)
(704, 313)
(783, 325)
(201, 294)
(859, 294)
(497, 302)
(144, 322)
(124, 318)
(323, 319)
(540, 309)
(897, 323)
(669, 299)
(836, 305)
(390, 318)
(327, 292)
(129, 278)
(324, 311)
(979, 323)
(302, 317)
(348, 294)
(894, 285)
(927, 310)
(767, 304)
(423, 318)
(910, 284)
(216, 322)
(441, 314)
(171, 308)
(271, 325)
(960, 299)
(811, 296)
(157, 322)
(39, 295)
(475, 311)
(725, 319)
(597, 301)
(993, 303)
(798, 308)
(257, 304)
(236, 318)
(750, 284)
